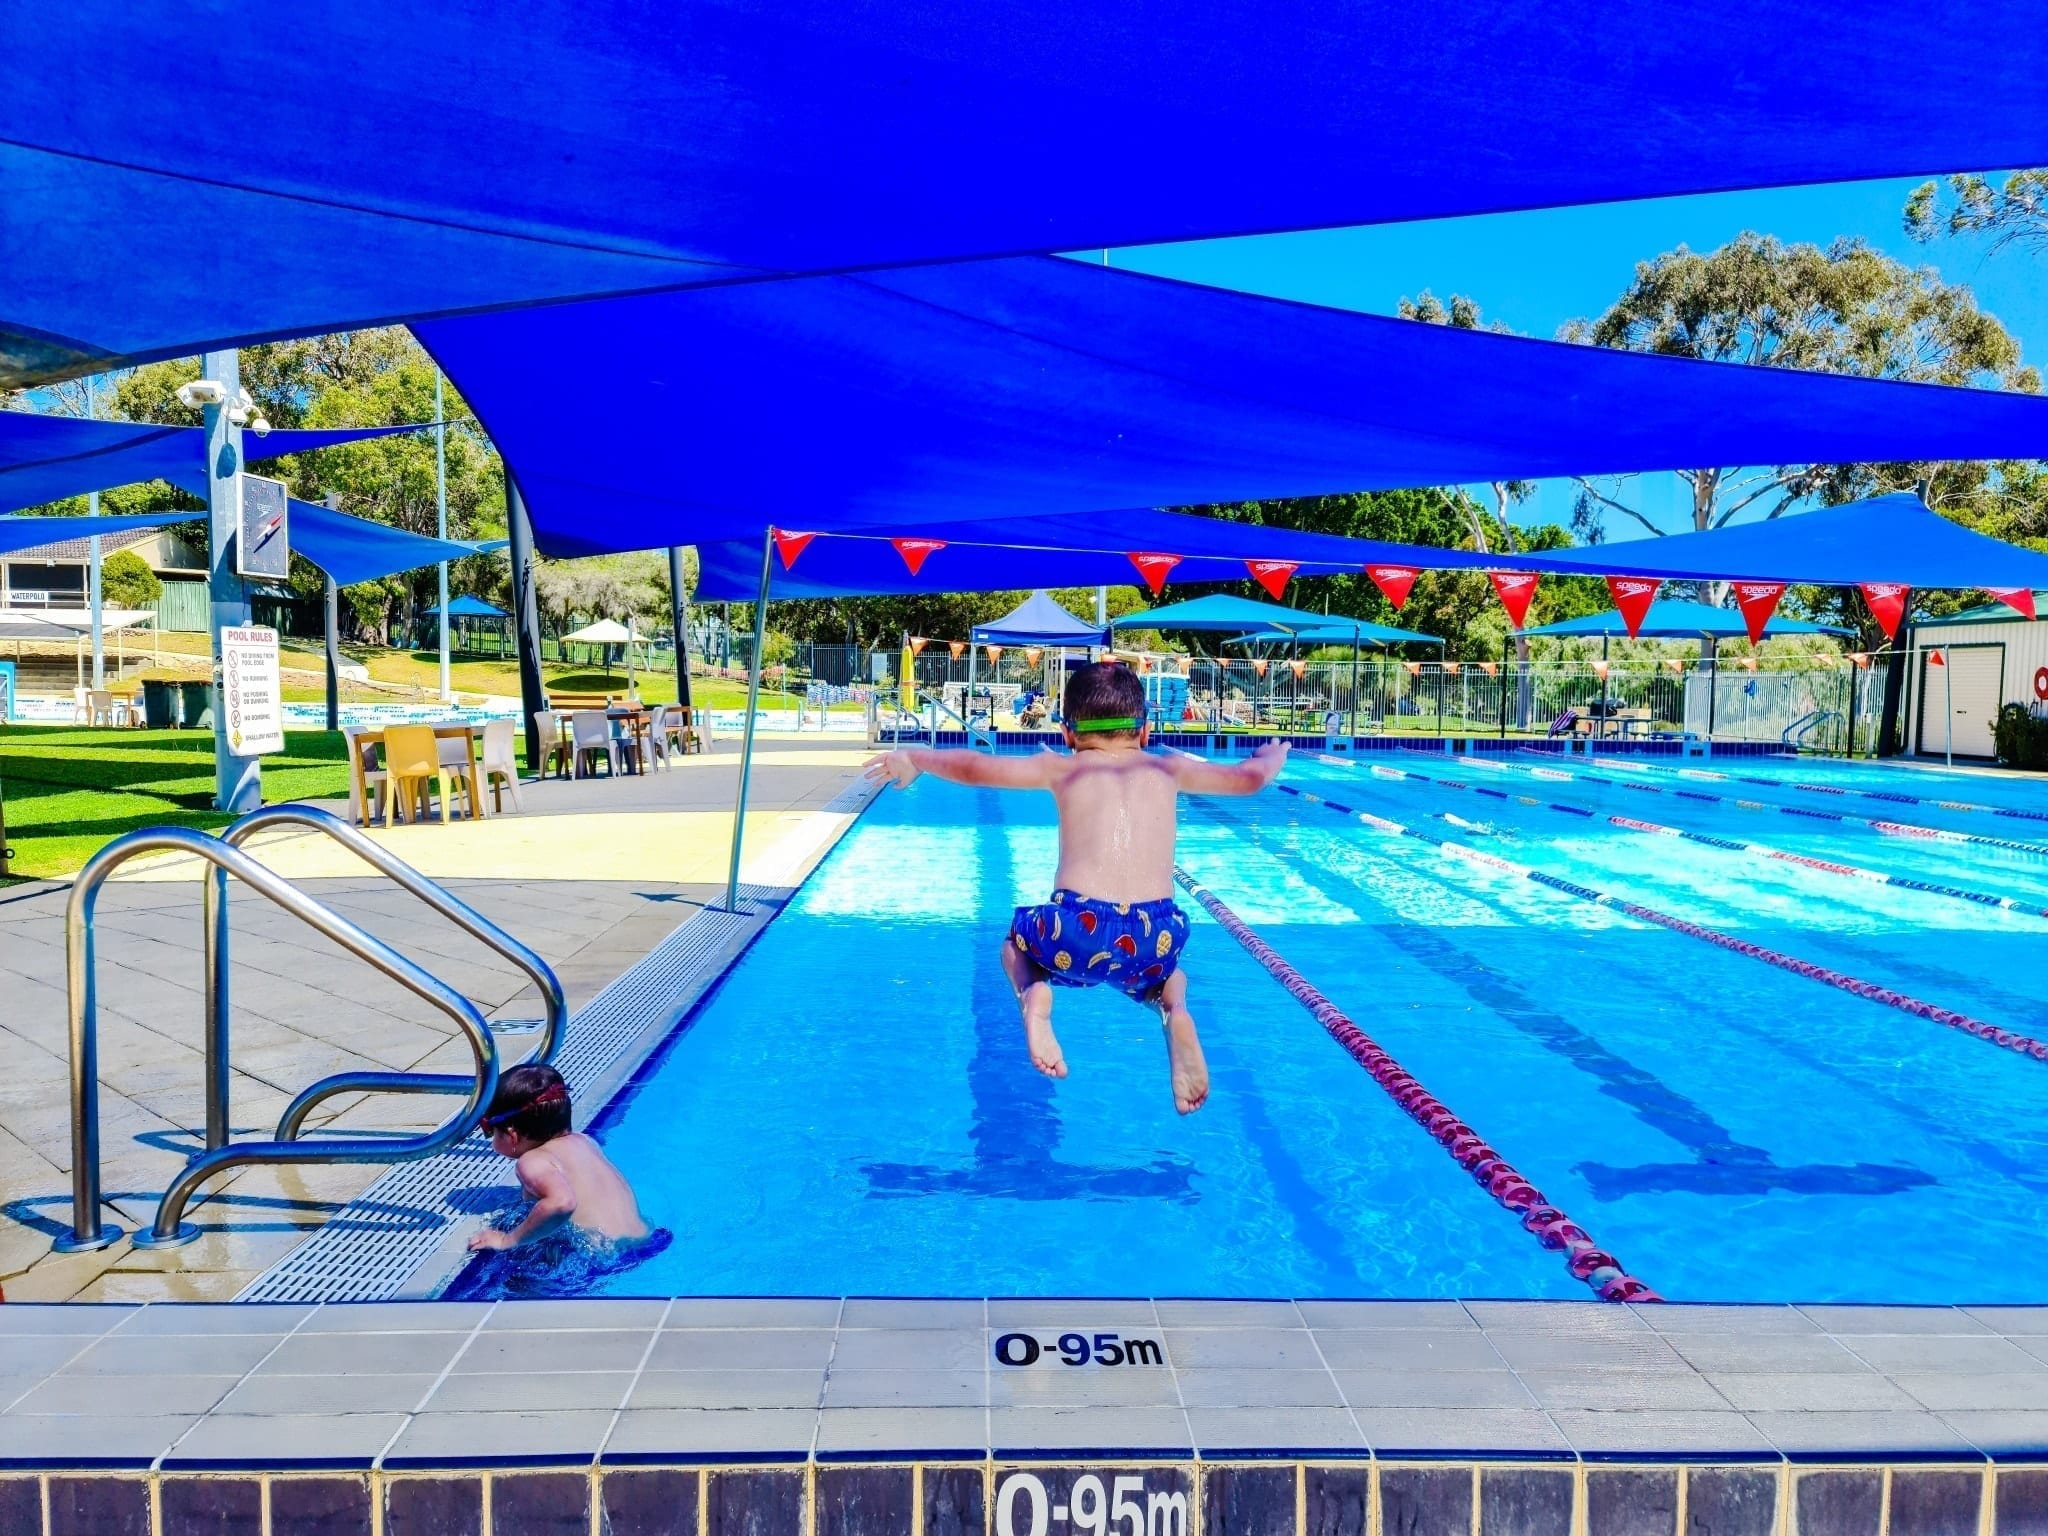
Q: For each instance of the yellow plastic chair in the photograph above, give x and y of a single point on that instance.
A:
(412, 756)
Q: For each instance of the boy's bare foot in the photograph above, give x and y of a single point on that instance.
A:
(1034, 1001)
(1184, 1059)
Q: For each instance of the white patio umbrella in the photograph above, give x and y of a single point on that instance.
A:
(609, 632)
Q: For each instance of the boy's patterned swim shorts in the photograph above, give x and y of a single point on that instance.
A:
(1081, 942)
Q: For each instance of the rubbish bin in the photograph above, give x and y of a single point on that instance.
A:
(159, 704)
(198, 705)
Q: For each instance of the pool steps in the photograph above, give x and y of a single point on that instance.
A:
(1491, 1171)
(1993, 1034)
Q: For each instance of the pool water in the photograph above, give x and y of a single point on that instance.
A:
(852, 1110)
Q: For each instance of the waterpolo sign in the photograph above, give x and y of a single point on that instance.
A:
(250, 691)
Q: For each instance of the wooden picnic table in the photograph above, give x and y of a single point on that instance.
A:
(361, 741)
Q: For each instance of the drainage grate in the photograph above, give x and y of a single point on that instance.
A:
(367, 1251)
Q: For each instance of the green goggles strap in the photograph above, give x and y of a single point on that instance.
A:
(1120, 723)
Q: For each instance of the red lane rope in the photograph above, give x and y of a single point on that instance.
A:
(1495, 1174)
(2010, 1040)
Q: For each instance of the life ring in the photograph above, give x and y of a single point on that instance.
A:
(2041, 682)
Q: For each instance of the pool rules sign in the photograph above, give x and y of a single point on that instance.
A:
(250, 691)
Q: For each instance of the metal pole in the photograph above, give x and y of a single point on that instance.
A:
(214, 917)
(739, 810)
(441, 525)
(1354, 685)
(1505, 677)
(679, 616)
(95, 598)
(1604, 710)
(1948, 684)
(333, 607)
(238, 781)
(525, 614)
(967, 704)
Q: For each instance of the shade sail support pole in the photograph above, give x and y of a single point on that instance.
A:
(96, 597)
(679, 617)
(238, 783)
(441, 527)
(533, 697)
(332, 609)
(739, 810)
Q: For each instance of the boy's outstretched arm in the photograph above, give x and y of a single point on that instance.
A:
(1202, 776)
(963, 767)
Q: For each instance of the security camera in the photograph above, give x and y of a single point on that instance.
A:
(260, 425)
(201, 392)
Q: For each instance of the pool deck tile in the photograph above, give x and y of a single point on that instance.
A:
(495, 1392)
(362, 1354)
(1556, 1350)
(2013, 1322)
(1433, 1389)
(1874, 1436)
(1222, 1434)
(532, 1437)
(1844, 1318)
(2005, 1435)
(525, 1353)
(1143, 1387)
(1228, 1314)
(901, 1313)
(1727, 1353)
(1237, 1386)
(118, 1395)
(59, 1440)
(1322, 1315)
(61, 1319)
(1724, 1317)
(1648, 1434)
(860, 1388)
(1082, 1314)
(1810, 1391)
(906, 1433)
(656, 1435)
(285, 1440)
(727, 1389)
(1260, 1348)
(264, 1394)
(395, 1317)
(1462, 1434)
(910, 1349)
(755, 1312)
(1942, 1391)
(1416, 1349)
(1599, 1390)
(575, 1316)
(1104, 1434)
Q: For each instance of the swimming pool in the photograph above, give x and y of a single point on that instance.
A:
(852, 1111)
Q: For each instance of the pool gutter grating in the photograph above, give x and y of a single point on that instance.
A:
(369, 1248)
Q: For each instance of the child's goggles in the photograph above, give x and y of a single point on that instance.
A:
(554, 1093)
(1119, 723)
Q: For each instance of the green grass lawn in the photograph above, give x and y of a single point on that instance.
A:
(69, 790)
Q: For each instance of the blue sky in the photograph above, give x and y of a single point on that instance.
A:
(1535, 271)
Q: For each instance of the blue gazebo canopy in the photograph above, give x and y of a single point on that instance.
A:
(1673, 618)
(1339, 631)
(1038, 620)
(467, 607)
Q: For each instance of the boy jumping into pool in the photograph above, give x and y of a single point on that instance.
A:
(1112, 918)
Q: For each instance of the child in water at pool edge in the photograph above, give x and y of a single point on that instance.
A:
(577, 1194)
(1112, 918)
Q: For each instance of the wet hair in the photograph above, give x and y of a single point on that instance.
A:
(531, 1100)
(1104, 691)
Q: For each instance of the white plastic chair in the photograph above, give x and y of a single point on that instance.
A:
(454, 752)
(370, 808)
(665, 734)
(501, 761)
(590, 733)
(100, 706)
(81, 705)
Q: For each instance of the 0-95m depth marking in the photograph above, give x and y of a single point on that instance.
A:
(1127, 1507)
(1078, 1349)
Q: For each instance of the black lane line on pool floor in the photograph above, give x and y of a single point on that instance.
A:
(1542, 769)
(2024, 1045)
(1721, 1165)
(1727, 844)
(1495, 1174)
(1894, 797)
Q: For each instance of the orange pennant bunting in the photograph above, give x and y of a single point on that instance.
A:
(1632, 598)
(1032, 653)
(995, 652)
(917, 644)
(1259, 666)
(1490, 668)
(1516, 590)
(1272, 574)
(958, 648)
(1299, 666)
(1414, 668)
(1154, 567)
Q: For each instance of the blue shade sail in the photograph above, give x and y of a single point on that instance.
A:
(1006, 554)
(1339, 631)
(467, 607)
(1037, 386)
(350, 549)
(46, 458)
(1225, 614)
(1038, 620)
(175, 179)
(1892, 538)
(1671, 618)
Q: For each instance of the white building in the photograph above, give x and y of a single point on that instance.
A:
(1993, 657)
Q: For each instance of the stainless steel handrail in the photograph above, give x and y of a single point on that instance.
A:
(168, 1230)
(554, 1005)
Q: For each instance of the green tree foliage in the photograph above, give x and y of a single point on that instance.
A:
(2015, 210)
(1845, 309)
(126, 582)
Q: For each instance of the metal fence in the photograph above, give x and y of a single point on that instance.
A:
(1829, 706)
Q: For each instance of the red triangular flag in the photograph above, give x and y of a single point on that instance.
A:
(790, 545)
(1394, 581)
(1758, 600)
(1632, 598)
(1272, 574)
(2019, 599)
(916, 551)
(1154, 568)
(1887, 600)
(1516, 590)
(1936, 659)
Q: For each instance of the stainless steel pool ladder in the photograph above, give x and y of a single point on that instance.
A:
(226, 857)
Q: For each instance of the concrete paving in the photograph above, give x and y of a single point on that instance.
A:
(592, 874)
